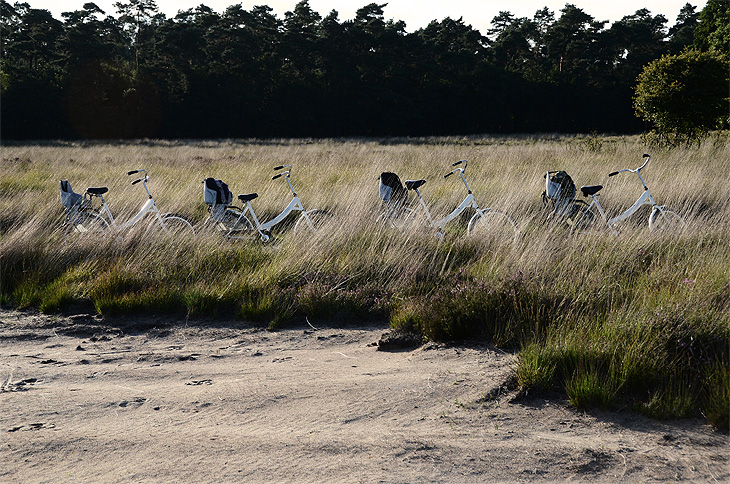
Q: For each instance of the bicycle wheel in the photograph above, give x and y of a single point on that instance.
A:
(582, 221)
(665, 221)
(232, 224)
(389, 219)
(174, 227)
(401, 219)
(494, 226)
(87, 223)
(316, 217)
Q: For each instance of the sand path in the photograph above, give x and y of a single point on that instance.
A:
(87, 399)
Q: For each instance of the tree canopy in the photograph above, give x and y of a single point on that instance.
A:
(248, 73)
(684, 96)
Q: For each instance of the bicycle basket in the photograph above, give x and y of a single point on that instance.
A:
(69, 198)
(215, 192)
(391, 188)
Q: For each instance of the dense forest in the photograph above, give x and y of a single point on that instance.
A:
(247, 73)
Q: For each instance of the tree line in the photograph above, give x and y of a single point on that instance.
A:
(248, 73)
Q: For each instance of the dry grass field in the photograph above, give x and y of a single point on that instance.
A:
(638, 319)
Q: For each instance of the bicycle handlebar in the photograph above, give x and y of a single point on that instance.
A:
(283, 173)
(648, 157)
(132, 172)
(137, 180)
(645, 155)
(458, 169)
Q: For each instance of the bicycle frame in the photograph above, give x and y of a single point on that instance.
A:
(595, 203)
(644, 199)
(295, 205)
(148, 207)
(468, 202)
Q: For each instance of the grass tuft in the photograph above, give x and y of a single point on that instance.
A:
(589, 389)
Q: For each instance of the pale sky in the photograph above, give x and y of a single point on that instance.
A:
(416, 14)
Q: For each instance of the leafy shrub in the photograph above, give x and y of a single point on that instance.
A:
(684, 96)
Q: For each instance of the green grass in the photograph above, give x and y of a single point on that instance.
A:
(639, 319)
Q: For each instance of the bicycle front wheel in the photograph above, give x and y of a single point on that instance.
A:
(665, 221)
(87, 223)
(175, 227)
(496, 227)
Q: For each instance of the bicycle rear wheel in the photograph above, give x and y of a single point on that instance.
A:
(234, 225)
(494, 226)
(665, 221)
(583, 221)
(402, 219)
(87, 223)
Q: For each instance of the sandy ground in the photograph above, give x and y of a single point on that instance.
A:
(87, 399)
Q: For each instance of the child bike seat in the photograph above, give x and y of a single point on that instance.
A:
(69, 198)
(97, 190)
(414, 184)
(589, 190)
(247, 197)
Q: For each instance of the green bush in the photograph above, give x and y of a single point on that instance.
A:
(684, 96)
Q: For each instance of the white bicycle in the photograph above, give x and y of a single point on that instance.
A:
(487, 222)
(82, 217)
(243, 223)
(660, 218)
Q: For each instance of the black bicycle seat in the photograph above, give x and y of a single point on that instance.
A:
(589, 190)
(97, 190)
(247, 197)
(413, 184)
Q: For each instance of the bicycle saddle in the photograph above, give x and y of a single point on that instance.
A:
(97, 190)
(589, 190)
(247, 197)
(413, 184)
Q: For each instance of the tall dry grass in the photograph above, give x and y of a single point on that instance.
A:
(639, 316)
